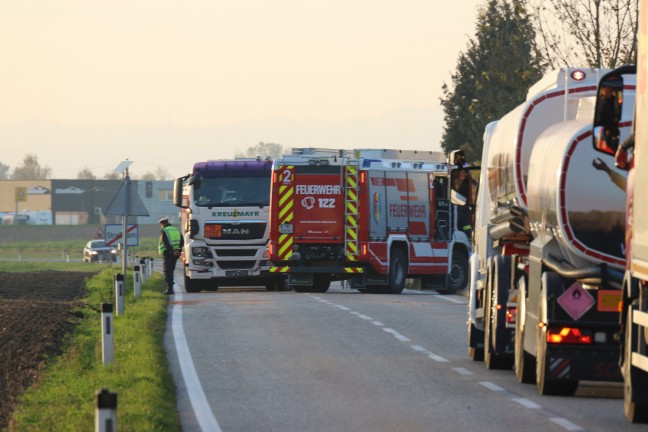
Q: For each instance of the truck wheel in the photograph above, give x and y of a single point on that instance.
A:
(321, 284)
(192, 286)
(397, 271)
(458, 276)
(634, 412)
(475, 353)
(495, 318)
(524, 363)
(546, 385)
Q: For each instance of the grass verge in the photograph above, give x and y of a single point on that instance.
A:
(64, 397)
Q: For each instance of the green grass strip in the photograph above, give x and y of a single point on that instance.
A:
(64, 398)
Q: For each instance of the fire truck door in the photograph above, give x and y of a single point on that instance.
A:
(377, 205)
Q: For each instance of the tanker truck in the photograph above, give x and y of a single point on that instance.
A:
(502, 235)
(630, 155)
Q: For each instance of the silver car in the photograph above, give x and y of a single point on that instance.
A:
(96, 251)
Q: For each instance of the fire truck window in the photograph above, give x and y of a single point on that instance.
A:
(440, 187)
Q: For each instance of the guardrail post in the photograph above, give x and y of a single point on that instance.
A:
(106, 412)
(136, 280)
(150, 268)
(19, 255)
(119, 293)
(107, 333)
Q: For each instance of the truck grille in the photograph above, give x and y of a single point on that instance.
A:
(241, 231)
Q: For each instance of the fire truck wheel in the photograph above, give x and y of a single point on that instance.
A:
(321, 284)
(397, 271)
(458, 277)
(634, 412)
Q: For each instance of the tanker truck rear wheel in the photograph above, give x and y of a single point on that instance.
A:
(494, 317)
(524, 362)
(546, 385)
(634, 412)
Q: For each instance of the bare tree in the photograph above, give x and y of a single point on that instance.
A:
(112, 176)
(148, 176)
(264, 150)
(162, 173)
(588, 33)
(31, 169)
(86, 174)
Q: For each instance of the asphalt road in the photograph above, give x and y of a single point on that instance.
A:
(251, 360)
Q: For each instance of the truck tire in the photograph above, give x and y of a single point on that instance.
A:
(475, 353)
(457, 278)
(635, 412)
(192, 286)
(546, 385)
(320, 285)
(494, 318)
(397, 271)
(524, 362)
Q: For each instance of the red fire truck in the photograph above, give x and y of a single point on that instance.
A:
(372, 217)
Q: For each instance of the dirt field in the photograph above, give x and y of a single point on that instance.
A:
(36, 312)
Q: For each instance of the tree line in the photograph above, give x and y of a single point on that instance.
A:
(31, 169)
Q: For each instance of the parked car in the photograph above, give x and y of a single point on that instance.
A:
(96, 250)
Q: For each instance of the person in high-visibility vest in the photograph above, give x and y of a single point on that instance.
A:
(169, 246)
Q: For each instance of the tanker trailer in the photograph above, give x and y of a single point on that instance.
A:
(502, 235)
(568, 300)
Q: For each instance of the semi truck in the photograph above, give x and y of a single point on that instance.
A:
(630, 154)
(224, 220)
(502, 235)
(370, 217)
(549, 250)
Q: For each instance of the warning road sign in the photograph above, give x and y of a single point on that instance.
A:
(99, 234)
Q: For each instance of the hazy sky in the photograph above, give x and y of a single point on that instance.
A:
(87, 84)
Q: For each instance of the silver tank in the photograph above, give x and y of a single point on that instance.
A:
(577, 194)
(562, 95)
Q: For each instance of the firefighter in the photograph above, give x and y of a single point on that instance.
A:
(169, 246)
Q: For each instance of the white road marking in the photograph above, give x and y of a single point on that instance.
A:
(428, 353)
(377, 323)
(526, 403)
(566, 424)
(344, 308)
(462, 371)
(397, 335)
(201, 408)
(451, 299)
(491, 386)
(365, 317)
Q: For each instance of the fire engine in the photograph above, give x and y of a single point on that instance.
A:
(370, 217)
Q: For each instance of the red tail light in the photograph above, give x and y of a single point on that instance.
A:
(511, 315)
(567, 335)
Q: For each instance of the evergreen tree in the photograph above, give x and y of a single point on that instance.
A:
(492, 76)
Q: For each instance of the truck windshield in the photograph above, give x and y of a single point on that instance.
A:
(236, 191)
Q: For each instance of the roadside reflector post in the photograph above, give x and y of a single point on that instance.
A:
(136, 281)
(119, 293)
(150, 266)
(142, 261)
(19, 255)
(107, 333)
(106, 412)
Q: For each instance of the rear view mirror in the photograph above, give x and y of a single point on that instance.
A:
(609, 107)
